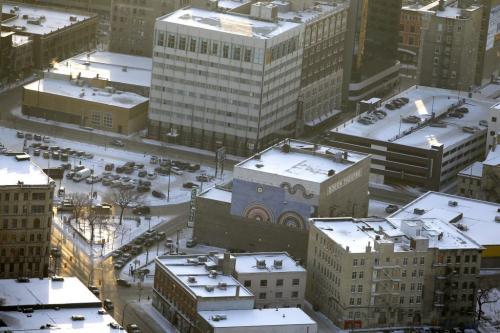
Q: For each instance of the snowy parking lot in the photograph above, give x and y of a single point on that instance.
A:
(107, 154)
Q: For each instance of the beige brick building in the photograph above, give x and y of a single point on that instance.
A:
(26, 217)
(365, 273)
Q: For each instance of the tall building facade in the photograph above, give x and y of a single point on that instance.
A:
(217, 84)
(449, 51)
(373, 44)
(132, 24)
(380, 272)
(26, 217)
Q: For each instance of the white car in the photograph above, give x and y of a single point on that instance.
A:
(93, 180)
(46, 139)
(152, 175)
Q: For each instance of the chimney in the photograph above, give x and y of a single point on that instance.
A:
(228, 264)
(369, 248)
(238, 291)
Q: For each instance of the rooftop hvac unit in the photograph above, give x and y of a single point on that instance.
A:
(202, 259)
(452, 203)
(25, 16)
(72, 18)
(222, 286)
(191, 279)
(219, 317)
(209, 288)
(418, 211)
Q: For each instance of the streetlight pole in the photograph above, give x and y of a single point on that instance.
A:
(168, 186)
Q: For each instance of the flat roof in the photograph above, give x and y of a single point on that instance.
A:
(215, 193)
(449, 11)
(423, 102)
(59, 320)
(228, 23)
(493, 157)
(37, 292)
(52, 19)
(304, 160)
(257, 317)
(199, 278)
(67, 88)
(13, 171)
(354, 235)
(318, 9)
(474, 170)
(247, 263)
(477, 216)
(114, 67)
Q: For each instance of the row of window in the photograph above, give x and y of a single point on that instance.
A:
(23, 223)
(16, 196)
(21, 251)
(33, 267)
(15, 209)
(263, 283)
(102, 119)
(279, 294)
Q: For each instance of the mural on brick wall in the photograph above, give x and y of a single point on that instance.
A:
(289, 205)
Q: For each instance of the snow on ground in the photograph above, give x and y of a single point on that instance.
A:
(118, 156)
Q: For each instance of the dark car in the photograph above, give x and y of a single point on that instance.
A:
(109, 167)
(108, 305)
(119, 169)
(391, 209)
(28, 136)
(143, 188)
(117, 143)
(158, 194)
(142, 173)
(189, 185)
(141, 210)
(123, 283)
(37, 137)
(20, 135)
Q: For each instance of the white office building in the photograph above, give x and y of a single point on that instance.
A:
(225, 79)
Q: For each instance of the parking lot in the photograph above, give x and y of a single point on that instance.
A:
(90, 168)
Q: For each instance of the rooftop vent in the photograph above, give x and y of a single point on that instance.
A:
(497, 218)
(256, 157)
(440, 236)
(259, 165)
(72, 18)
(261, 263)
(124, 69)
(462, 227)
(222, 286)
(25, 16)
(212, 273)
(191, 279)
(418, 211)
(219, 317)
(331, 172)
(209, 288)
(452, 203)
(278, 263)
(202, 259)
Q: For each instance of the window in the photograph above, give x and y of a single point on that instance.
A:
(494, 119)
(401, 300)
(412, 300)
(362, 262)
(161, 37)
(457, 259)
(38, 209)
(361, 275)
(192, 45)
(38, 196)
(351, 301)
(415, 260)
(263, 283)
(171, 41)
(412, 287)
(95, 118)
(295, 282)
(279, 282)
(474, 258)
(354, 275)
(403, 273)
(237, 53)
(215, 48)
(467, 259)
(422, 260)
(360, 288)
(225, 51)
(414, 273)
(353, 288)
(248, 55)
(418, 299)
(473, 270)
(419, 287)
(262, 295)
(355, 262)
(182, 43)
(247, 283)
(204, 47)
(278, 294)
(108, 119)
(420, 273)
(295, 294)
(405, 261)
(358, 302)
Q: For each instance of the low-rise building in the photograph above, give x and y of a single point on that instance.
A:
(276, 279)
(26, 217)
(43, 304)
(476, 219)
(284, 320)
(57, 34)
(107, 69)
(480, 180)
(16, 56)
(78, 102)
(368, 273)
(494, 125)
(276, 191)
(185, 285)
(425, 142)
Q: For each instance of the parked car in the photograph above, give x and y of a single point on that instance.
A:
(107, 304)
(117, 143)
(152, 175)
(133, 328)
(20, 135)
(153, 160)
(190, 243)
(123, 283)
(119, 264)
(136, 249)
(161, 235)
(126, 256)
(28, 136)
(116, 253)
(94, 290)
(193, 167)
(391, 209)
(144, 182)
(93, 179)
(106, 181)
(158, 194)
(109, 167)
(189, 185)
(82, 174)
(36, 152)
(37, 137)
(46, 139)
(119, 169)
(143, 188)
(139, 240)
(142, 173)
(202, 178)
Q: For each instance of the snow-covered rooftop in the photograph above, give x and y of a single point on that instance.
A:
(69, 292)
(355, 235)
(51, 19)
(257, 317)
(64, 87)
(304, 161)
(474, 170)
(247, 263)
(317, 10)
(450, 11)
(424, 101)
(228, 23)
(59, 320)
(493, 157)
(477, 218)
(13, 171)
(200, 277)
(114, 67)
(215, 193)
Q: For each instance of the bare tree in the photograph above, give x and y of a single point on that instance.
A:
(485, 295)
(123, 198)
(81, 203)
